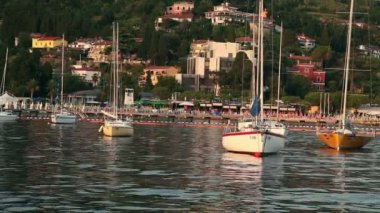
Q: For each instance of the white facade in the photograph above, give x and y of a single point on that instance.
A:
(208, 58)
(128, 97)
(210, 55)
(225, 13)
(87, 73)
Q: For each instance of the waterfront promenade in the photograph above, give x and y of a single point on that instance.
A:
(181, 115)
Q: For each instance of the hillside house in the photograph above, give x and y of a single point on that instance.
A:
(41, 41)
(224, 13)
(179, 11)
(156, 72)
(84, 44)
(98, 51)
(88, 74)
(305, 42)
(205, 60)
(180, 8)
(306, 67)
(369, 50)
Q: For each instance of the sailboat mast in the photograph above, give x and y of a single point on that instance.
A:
(62, 67)
(279, 74)
(117, 70)
(114, 68)
(254, 62)
(347, 65)
(4, 73)
(261, 18)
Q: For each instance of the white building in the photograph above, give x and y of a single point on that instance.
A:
(89, 74)
(225, 13)
(175, 17)
(84, 43)
(206, 59)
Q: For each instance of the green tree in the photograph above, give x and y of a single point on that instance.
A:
(52, 89)
(32, 86)
(297, 85)
(148, 84)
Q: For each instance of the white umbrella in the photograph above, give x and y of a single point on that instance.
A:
(186, 103)
(23, 105)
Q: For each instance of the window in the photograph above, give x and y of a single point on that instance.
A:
(318, 79)
(229, 55)
(306, 70)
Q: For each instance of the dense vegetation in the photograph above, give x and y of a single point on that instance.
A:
(91, 18)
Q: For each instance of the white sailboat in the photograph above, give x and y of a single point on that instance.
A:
(257, 137)
(114, 126)
(5, 115)
(344, 137)
(63, 117)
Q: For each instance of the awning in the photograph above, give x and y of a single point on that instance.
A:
(186, 103)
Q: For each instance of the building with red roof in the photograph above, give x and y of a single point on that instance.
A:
(41, 41)
(306, 67)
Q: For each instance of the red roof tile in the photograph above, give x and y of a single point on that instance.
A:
(49, 38)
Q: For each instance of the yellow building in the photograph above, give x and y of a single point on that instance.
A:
(157, 71)
(41, 41)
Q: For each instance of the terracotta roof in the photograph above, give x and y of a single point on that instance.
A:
(103, 43)
(303, 37)
(49, 38)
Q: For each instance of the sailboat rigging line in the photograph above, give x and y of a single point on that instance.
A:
(63, 67)
(2, 91)
(279, 74)
(243, 65)
(356, 70)
(370, 63)
(272, 53)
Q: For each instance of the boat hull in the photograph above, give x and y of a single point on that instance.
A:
(117, 129)
(4, 116)
(253, 142)
(63, 119)
(343, 141)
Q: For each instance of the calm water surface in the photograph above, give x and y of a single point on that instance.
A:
(45, 168)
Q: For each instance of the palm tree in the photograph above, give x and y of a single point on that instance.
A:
(95, 79)
(52, 89)
(32, 87)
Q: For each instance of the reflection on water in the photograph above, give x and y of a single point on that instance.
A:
(46, 167)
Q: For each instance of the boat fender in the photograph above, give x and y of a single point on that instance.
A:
(101, 128)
